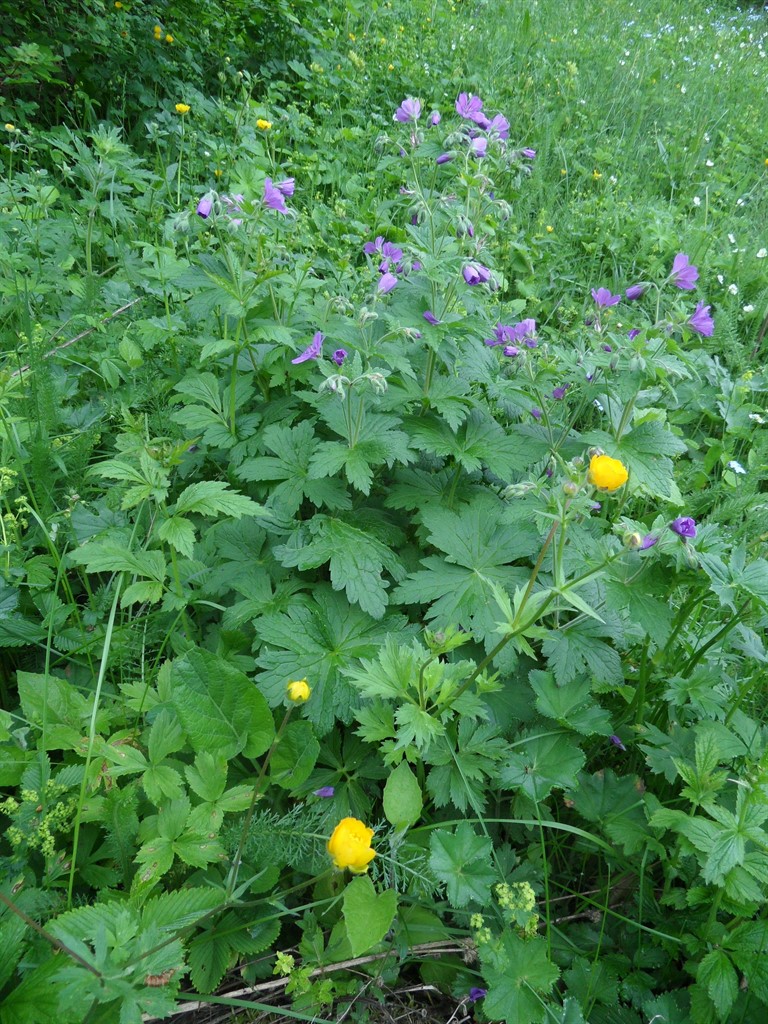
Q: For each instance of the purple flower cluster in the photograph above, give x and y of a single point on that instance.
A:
(391, 263)
(509, 334)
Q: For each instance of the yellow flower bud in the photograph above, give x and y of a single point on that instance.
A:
(263, 125)
(183, 108)
(118, 5)
(10, 127)
(606, 473)
(169, 38)
(350, 846)
(299, 690)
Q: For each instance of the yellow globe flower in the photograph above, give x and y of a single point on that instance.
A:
(169, 38)
(299, 690)
(606, 473)
(350, 846)
(263, 125)
(118, 5)
(10, 127)
(158, 32)
(183, 108)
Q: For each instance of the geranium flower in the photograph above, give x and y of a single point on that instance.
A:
(273, 197)
(603, 298)
(430, 317)
(476, 273)
(286, 187)
(468, 106)
(386, 283)
(204, 207)
(313, 350)
(684, 275)
(350, 846)
(635, 291)
(409, 110)
(684, 527)
(701, 321)
(339, 356)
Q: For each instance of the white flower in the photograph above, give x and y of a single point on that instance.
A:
(732, 239)
(733, 289)
(697, 200)
(598, 406)
(710, 163)
(748, 308)
(756, 418)
(761, 254)
(720, 278)
(736, 467)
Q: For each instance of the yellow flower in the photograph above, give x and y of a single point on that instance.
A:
(391, 67)
(10, 127)
(158, 32)
(169, 38)
(218, 172)
(263, 125)
(298, 690)
(606, 473)
(350, 846)
(118, 5)
(183, 108)
(550, 229)
(596, 175)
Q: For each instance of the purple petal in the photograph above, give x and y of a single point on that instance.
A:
(386, 283)
(529, 153)
(339, 356)
(204, 207)
(684, 527)
(684, 275)
(635, 291)
(430, 317)
(324, 791)
(313, 350)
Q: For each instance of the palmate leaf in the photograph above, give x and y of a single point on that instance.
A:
(317, 641)
(518, 973)
(541, 764)
(377, 443)
(461, 860)
(479, 442)
(293, 449)
(357, 560)
(578, 647)
(477, 551)
(462, 764)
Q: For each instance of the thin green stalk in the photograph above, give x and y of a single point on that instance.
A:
(92, 734)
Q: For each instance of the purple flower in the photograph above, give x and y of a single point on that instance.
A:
(701, 321)
(607, 348)
(435, 118)
(324, 791)
(500, 125)
(603, 297)
(313, 350)
(409, 110)
(617, 742)
(479, 146)
(635, 291)
(339, 356)
(525, 331)
(430, 317)
(559, 393)
(633, 333)
(444, 158)
(596, 506)
(530, 154)
(373, 247)
(285, 187)
(273, 197)
(503, 335)
(477, 993)
(511, 351)
(536, 412)
(684, 275)
(386, 283)
(476, 273)
(204, 207)
(648, 541)
(469, 106)
(684, 527)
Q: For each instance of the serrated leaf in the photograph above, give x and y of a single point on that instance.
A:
(571, 705)
(219, 706)
(462, 862)
(212, 498)
(718, 976)
(179, 533)
(294, 756)
(517, 975)
(541, 764)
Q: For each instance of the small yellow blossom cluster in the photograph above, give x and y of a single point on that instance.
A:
(518, 901)
(33, 827)
(482, 933)
(160, 33)
(263, 125)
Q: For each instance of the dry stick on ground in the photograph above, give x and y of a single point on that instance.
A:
(425, 948)
(78, 337)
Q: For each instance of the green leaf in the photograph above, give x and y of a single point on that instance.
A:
(165, 737)
(403, 801)
(106, 556)
(543, 763)
(357, 560)
(717, 975)
(318, 641)
(578, 648)
(571, 705)
(220, 708)
(479, 442)
(161, 781)
(463, 763)
(368, 915)
(478, 547)
(179, 533)
(462, 862)
(207, 777)
(517, 975)
(295, 755)
(65, 711)
(212, 498)
(376, 444)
